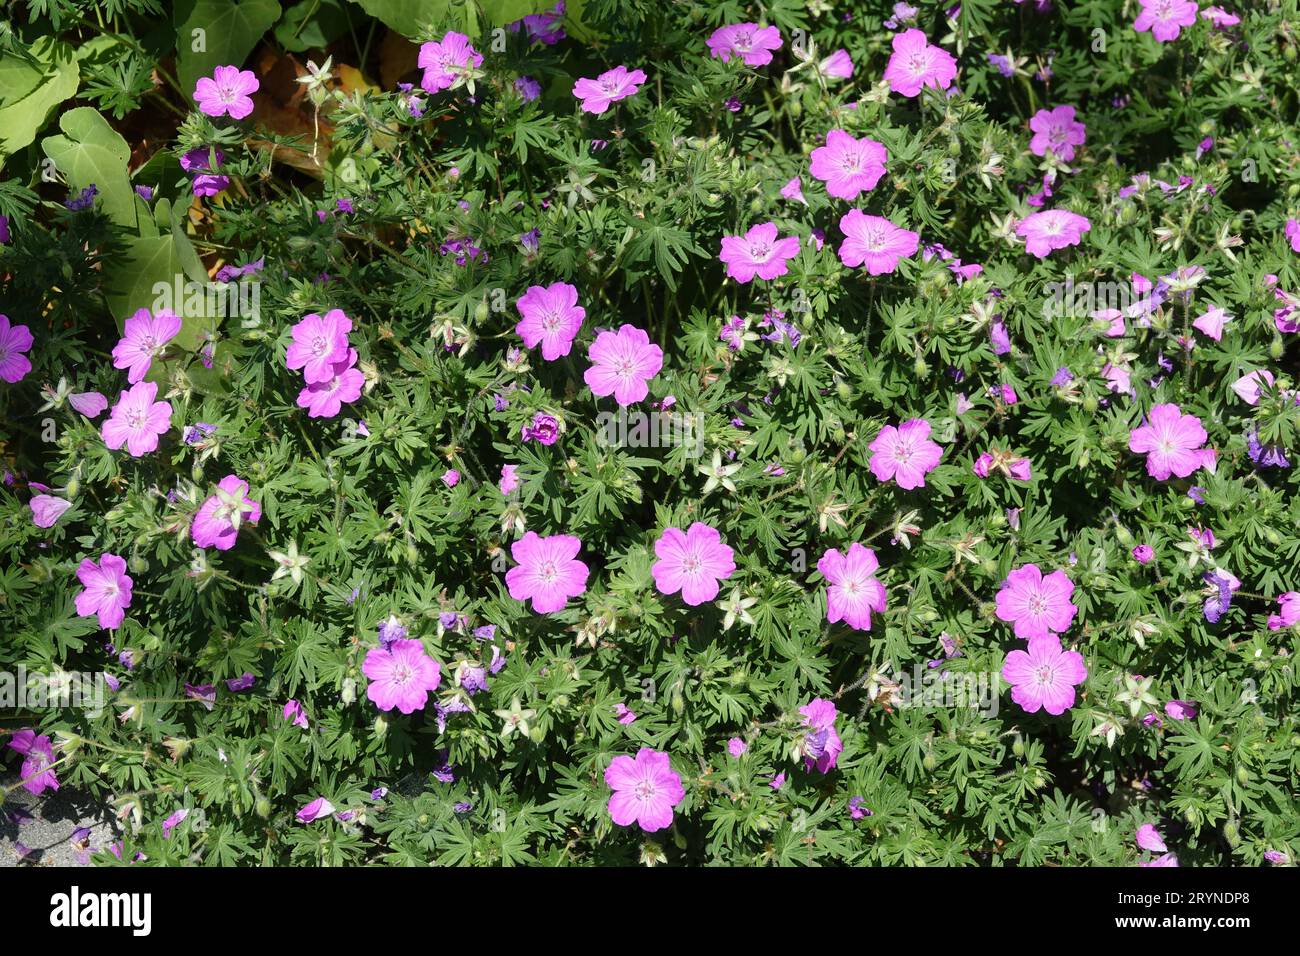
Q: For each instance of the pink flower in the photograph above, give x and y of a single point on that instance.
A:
(36, 775)
(1171, 440)
(219, 518)
(319, 343)
(915, 64)
(137, 420)
(144, 337)
(90, 404)
(14, 341)
(1058, 131)
(905, 454)
(793, 190)
(451, 477)
(1165, 18)
(1038, 605)
(1211, 323)
(853, 591)
(1051, 229)
(509, 479)
(320, 807)
(623, 363)
(610, 87)
(325, 399)
(106, 590)
(749, 41)
(443, 61)
(1249, 385)
(1293, 233)
(839, 65)
(1044, 676)
(293, 711)
(848, 166)
(229, 91)
(401, 675)
(1221, 19)
(551, 316)
(874, 242)
(1167, 860)
(1288, 611)
(736, 746)
(645, 790)
(758, 253)
(548, 571)
(47, 509)
(1180, 709)
(1148, 838)
(692, 562)
(624, 715)
(821, 744)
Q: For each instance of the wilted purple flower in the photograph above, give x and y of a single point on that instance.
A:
(1000, 337)
(544, 429)
(528, 88)
(1003, 63)
(1265, 456)
(205, 694)
(83, 200)
(857, 808)
(241, 683)
(193, 434)
(1062, 378)
(1221, 584)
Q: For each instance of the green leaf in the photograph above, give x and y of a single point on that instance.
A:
(22, 114)
(91, 151)
(230, 30)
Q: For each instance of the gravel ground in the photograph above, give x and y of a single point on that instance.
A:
(45, 825)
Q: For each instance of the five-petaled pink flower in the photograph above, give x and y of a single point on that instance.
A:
(218, 520)
(645, 790)
(1058, 131)
(623, 362)
(853, 590)
(401, 675)
(445, 60)
(106, 590)
(905, 453)
(758, 252)
(1037, 604)
(137, 420)
(874, 242)
(38, 754)
(14, 341)
(1165, 18)
(548, 571)
(229, 91)
(749, 41)
(1051, 229)
(693, 562)
(325, 399)
(319, 343)
(1044, 676)
(848, 166)
(47, 509)
(1171, 441)
(915, 64)
(143, 337)
(611, 86)
(821, 746)
(551, 316)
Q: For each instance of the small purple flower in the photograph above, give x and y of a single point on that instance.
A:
(528, 88)
(1143, 553)
(545, 429)
(242, 683)
(857, 808)
(1062, 378)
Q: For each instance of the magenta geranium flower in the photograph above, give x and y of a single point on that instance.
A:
(610, 87)
(325, 399)
(106, 590)
(693, 562)
(853, 590)
(90, 404)
(548, 571)
(874, 242)
(443, 61)
(623, 363)
(645, 790)
(1037, 604)
(320, 807)
(1165, 18)
(1051, 229)
(1058, 131)
(758, 252)
(1288, 604)
(144, 336)
(1148, 838)
(1044, 676)
(821, 744)
(228, 92)
(319, 343)
(915, 64)
(47, 509)
(401, 675)
(749, 41)
(848, 166)
(38, 755)
(905, 453)
(551, 316)
(1292, 231)
(137, 420)
(1249, 385)
(14, 341)
(219, 518)
(1171, 441)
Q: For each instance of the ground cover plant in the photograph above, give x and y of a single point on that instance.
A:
(667, 433)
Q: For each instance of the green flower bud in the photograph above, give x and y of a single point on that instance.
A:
(536, 734)
(1276, 348)
(1090, 404)
(1018, 748)
(1125, 538)
(262, 808)
(482, 312)
(1243, 776)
